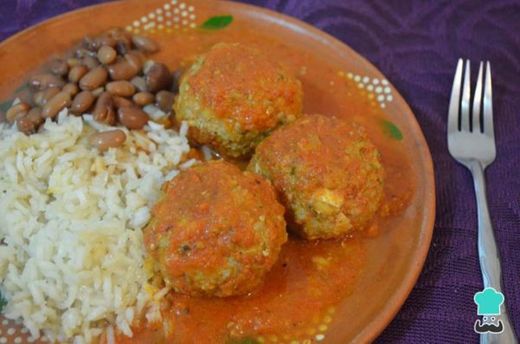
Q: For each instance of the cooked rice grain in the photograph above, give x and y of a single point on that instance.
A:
(71, 222)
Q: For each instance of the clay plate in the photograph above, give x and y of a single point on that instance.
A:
(395, 257)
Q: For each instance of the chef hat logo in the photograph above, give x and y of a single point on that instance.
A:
(488, 301)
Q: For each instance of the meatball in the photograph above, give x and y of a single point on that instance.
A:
(216, 231)
(327, 173)
(234, 96)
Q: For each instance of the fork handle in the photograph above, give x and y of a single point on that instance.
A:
(489, 257)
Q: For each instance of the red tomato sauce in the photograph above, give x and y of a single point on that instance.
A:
(295, 302)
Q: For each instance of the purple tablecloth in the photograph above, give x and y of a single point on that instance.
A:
(416, 45)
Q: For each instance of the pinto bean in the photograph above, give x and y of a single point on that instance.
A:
(25, 125)
(94, 78)
(105, 41)
(143, 98)
(77, 72)
(56, 104)
(164, 100)
(121, 88)
(30, 123)
(123, 47)
(71, 62)
(104, 109)
(122, 70)
(90, 61)
(97, 92)
(35, 114)
(43, 81)
(17, 111)
(158, 78)
(120, 102)
(89, 43)
(81, 53)
(82, 102)
(71, 88)
(145, 44)
(132, 117)
(123, 40)
(135, 59)
(40, 98)
(107, 139)
(59, 67)
(106, 55)
(94, 43)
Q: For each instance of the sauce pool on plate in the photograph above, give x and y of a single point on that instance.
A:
(295, 302)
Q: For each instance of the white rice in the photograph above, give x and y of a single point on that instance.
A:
(72, 219)
(154, 112)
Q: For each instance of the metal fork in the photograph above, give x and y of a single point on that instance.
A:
(471, 141)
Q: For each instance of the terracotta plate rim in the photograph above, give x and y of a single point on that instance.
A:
(393, 305)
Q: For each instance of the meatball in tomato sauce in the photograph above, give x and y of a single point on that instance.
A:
(234, 96)
(327, 172)
(216, 231)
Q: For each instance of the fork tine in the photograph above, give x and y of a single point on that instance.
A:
(453, 113)
(466, 94)
(477, 101)
(488, 104)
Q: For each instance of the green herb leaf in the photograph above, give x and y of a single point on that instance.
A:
(217, 22)
(3, 303)
(391, 130)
